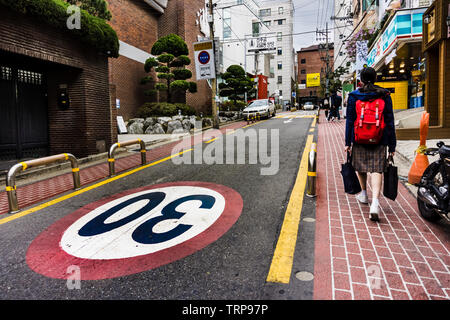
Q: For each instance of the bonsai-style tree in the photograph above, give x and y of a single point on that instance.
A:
(98, 8)
(236, 84)
(171, 54)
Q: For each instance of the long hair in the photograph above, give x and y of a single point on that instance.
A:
(368, 78)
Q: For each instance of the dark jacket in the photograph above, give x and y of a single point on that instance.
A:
(389, 139)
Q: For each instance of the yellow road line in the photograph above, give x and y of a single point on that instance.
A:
(281, 267)
(99, 184)
(249, 125)
(314, 122)
(209, 141)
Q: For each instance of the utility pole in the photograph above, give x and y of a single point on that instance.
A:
(214, 80)
(326, 59)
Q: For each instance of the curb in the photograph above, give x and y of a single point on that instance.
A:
(95, 158)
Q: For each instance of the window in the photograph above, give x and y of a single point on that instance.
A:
(280, 79)
(281, 93)
(303, 81)
(279, 36)
(255, 29)
(280, 65)
(280, 51)
(226, 23)
(267, 23)
(280, 10)
(303, 61)
(303, 71)
(280, 21)
(265, 12)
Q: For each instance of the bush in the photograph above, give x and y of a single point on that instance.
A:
(94, 31)
(240, 105)
(163, 109)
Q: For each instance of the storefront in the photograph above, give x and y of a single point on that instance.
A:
(397, 57)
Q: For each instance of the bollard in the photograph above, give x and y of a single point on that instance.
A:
(312, 174)
(11, 187)
(317, 115)
(112, 150)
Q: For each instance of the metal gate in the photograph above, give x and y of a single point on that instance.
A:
(23, 114)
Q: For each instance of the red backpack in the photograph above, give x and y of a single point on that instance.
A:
(369, 123)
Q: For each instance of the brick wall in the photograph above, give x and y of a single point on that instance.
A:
(136, 24)
(66, 60)
(313, 64)
(179, 18)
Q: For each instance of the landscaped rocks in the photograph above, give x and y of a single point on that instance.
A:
(175, 124)
(157, 129)
(136, 127)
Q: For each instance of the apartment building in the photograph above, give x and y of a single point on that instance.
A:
(278, 17)
(343, 28)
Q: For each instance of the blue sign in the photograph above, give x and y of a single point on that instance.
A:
(204, 57)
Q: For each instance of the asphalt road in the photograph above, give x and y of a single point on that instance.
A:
(233, 267)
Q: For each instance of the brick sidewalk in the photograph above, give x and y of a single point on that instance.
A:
(401, 257)
(46, 189)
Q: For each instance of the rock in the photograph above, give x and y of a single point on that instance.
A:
(180, 118)
(131, 121)
(136, 128)
(223, 119)
(162, 120)
(149, 129)
(158, 129)
(148, 123)
(174, 125)
(187, 125)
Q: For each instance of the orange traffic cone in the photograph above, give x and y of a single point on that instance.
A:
(421, 161)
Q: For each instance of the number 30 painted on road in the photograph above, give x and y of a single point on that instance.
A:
(136, 230)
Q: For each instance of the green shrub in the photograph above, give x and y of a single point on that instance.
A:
(163, 109)
(240, 105)
(94, 31)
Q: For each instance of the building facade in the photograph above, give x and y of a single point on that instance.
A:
(278, 17)
(312, 70)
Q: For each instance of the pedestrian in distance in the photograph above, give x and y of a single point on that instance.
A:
(336, 102)
(369, 134)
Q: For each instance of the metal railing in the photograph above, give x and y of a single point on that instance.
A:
(312, 173)
(114, 147)
(22, 166)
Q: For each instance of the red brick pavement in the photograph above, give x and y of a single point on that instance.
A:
(46, 189)
(401, 257)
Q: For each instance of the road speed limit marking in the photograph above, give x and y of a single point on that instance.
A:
(136, 230)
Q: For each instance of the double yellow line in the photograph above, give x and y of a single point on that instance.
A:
(283, 258)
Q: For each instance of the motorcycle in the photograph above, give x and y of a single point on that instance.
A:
(433, 196)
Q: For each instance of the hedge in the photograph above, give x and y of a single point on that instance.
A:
(94, 31)
(164, 109)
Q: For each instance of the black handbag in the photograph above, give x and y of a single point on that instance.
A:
(390, 187)
(351, 182)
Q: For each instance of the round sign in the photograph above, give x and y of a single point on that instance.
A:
(136, 230)
(204, 57)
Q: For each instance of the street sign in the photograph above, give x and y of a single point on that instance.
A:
(136, 230)
(204, 60)
(265, 43)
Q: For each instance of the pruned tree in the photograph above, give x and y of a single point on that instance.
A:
(236, 84)
(171, 58)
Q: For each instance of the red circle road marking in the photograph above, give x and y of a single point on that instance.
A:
(45, 255)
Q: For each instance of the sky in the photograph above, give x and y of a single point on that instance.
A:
(308, 16)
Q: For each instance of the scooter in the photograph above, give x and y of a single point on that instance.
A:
(433, 196)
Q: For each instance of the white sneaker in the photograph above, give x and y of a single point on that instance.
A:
(374, 211)
(363, 198)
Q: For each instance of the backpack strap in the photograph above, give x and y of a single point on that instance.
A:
(362, 114)
(377, 117)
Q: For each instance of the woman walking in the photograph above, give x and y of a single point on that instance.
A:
(370, 158)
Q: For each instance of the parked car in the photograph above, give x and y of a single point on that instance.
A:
(261, 107)
(309, 106)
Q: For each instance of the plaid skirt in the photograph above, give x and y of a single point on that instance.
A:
(369, 158)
